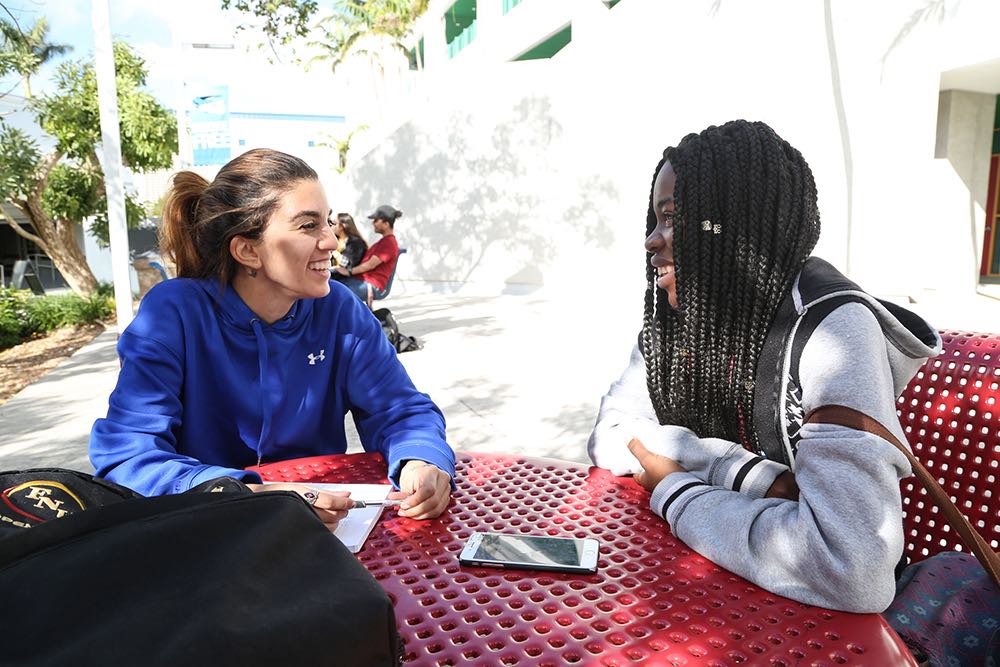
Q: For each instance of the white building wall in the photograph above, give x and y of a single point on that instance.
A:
(961, 175)
(538, 173)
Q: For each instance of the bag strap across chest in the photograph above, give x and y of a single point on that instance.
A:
(777, 408)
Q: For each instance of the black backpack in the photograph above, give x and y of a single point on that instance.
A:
(819, 291)
(400, 341)
(227, 577)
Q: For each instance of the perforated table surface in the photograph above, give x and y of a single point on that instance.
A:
(653, 601)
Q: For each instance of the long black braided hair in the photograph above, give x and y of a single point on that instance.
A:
(745, 220)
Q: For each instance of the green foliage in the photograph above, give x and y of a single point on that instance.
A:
(353, 20)
(48, 313)
(13, 316)
(156, 208)
(72, 116)
(19, 158)
(23, 315)
(72, 192)
(283, 20)
(75, 193)
(342, 146)
(135, 211)
(23, 52)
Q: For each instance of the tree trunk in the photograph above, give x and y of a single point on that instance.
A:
(71, 261)
(57, 239)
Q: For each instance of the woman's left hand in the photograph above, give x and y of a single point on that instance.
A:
(424, 489)
(654, 466)
(341, 270)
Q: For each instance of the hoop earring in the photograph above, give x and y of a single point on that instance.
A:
(252, 272)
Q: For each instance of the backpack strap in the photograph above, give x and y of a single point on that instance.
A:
(794, 416)
(973, 541)
(767, 387)
(778, 429)
(802, 310)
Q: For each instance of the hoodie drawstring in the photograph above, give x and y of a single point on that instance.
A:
(265, 404)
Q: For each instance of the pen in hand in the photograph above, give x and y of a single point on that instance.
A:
(359, 504)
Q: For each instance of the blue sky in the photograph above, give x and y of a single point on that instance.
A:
(153, 27)
(157, 29)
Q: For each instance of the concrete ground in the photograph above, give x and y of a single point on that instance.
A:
(512, 373)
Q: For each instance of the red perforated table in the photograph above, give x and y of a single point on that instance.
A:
(653, 601)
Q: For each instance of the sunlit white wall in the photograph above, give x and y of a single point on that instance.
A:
(537, 173)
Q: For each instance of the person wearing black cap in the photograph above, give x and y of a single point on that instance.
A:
(370, 278)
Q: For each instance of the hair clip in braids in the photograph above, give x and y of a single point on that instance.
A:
(708, 226)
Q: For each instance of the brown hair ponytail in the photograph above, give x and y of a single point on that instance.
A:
(179, 214)
(201, 218)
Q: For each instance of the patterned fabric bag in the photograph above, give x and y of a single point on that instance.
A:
(947, 610)
(947, 607)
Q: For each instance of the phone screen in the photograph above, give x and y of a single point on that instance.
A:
(553, 551)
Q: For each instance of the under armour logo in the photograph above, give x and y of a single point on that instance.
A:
(313, 358)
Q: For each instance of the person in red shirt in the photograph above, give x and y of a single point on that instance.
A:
(370, 278)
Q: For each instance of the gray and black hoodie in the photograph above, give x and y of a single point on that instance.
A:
(838, 544)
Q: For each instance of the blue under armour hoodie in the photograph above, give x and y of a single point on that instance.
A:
(206, 389)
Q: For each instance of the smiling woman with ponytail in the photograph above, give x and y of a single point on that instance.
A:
(252, 354)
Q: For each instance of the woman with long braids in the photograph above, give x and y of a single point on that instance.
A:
(744, 337)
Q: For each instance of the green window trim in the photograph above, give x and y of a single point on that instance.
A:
(549, 46)
(460, 25)
(509, 5)
(412, 55)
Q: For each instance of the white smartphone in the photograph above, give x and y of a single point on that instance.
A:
(531, 552)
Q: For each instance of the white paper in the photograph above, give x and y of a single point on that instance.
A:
(354, 529)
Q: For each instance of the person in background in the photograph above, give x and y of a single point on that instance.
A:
(812, 512)
(252, 354)
(351, 246)
(370, 279)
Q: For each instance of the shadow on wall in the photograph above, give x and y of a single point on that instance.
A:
(473, 188)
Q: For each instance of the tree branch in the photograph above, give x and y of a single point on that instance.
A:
(13, 19)
(44, 169)
(18, 229)
(99, 185)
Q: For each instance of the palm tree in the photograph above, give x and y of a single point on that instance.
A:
(343, 147)
(353, 21)
(367, 28)
(26, 52)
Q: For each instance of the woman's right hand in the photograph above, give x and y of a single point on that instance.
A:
(654, 466)
(330, 506)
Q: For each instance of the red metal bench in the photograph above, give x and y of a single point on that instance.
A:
(950, 413)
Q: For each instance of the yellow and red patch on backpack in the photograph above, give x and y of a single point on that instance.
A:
(38, 501)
